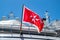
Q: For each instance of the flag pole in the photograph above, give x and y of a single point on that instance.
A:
(21, 35)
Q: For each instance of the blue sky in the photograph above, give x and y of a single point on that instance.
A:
(38, 6)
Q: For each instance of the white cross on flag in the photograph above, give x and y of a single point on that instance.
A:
(33, 18)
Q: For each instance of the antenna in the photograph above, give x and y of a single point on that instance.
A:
(47, 18)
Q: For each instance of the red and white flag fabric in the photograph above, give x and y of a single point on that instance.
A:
(33, 18)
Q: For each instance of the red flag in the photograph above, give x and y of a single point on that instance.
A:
(33, 18)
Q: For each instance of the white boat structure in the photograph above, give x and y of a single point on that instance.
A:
(10, 30)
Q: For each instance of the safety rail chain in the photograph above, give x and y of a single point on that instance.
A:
(42, 35)
(27, 36)
(29, 32)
